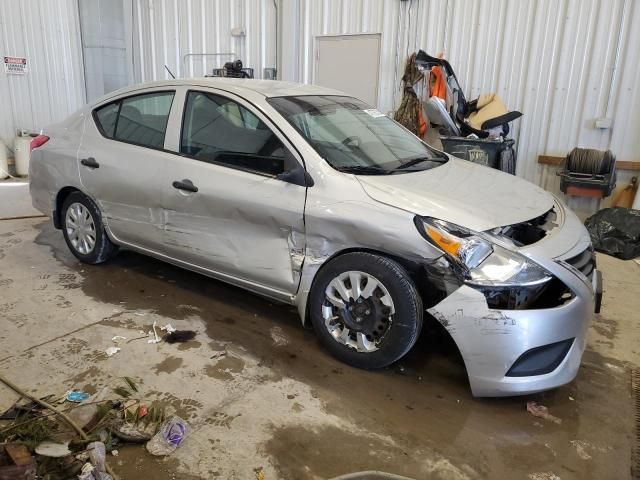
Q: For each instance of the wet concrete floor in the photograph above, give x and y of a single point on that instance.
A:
(261, 394)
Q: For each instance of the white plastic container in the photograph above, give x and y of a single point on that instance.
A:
(22, 150)
(4, 163)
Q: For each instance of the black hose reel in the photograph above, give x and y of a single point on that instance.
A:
(588, 172)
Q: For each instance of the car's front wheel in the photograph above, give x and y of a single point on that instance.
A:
(83, 230)
(365, 309)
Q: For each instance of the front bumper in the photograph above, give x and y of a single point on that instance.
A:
(491, 341)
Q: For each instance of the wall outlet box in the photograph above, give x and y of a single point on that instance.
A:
(238, 32)
(603, 123)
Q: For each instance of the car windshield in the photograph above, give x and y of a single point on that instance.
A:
(355, 138)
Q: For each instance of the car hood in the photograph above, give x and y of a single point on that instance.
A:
(461, 192)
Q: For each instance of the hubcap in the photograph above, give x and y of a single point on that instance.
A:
(358, 310)
(81, 229)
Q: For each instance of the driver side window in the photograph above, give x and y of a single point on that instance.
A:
(218, 130)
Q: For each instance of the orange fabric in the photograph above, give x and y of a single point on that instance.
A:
(437, 85)
(422, 124)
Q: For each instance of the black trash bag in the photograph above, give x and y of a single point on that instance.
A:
(616, 231)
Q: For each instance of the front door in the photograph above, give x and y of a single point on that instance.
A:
(122, 161)
(225, 208)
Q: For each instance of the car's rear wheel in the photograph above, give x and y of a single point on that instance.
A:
(84, 231)
(366, 310)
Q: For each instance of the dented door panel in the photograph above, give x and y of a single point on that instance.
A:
(125, 186)
(238, 223)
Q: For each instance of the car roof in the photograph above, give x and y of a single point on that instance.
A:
(245, 87)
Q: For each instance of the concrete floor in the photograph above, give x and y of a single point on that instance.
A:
(261, 393)
(15, 201)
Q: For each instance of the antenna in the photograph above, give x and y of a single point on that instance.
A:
(170, 72)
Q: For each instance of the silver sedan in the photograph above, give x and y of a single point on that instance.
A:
(313, 198)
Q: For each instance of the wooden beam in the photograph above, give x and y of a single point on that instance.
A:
(556, 161)
(550, 160)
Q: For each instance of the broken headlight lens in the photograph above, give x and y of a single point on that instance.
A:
(482, 262)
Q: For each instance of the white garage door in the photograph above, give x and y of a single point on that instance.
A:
(350, 63)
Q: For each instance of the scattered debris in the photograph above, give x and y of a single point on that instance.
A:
(142, 411)
(33, 428)
(544, 476)
(581, 449)
(16, 462)
(169, 437)
(278, 336)
(542, 412)
(118, 337)
(53, 449)
(131, 433)
(87, 410)
(111, 351)
(179, 336)
(550, 448)
(76, 396)
(16, 409)
(39, 434)
(571, 398)
(156, 338)
(168, 328)
(87, 472)
(18, 453)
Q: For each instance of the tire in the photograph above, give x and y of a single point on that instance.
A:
(79, 205)
(397, 326)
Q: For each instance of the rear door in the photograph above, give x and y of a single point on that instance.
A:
(122, 162)
(226, 210)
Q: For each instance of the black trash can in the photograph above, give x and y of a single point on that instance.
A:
(498, 154)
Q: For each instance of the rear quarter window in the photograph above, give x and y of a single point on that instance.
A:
(139, 119)
(143, 119)
(105, 118)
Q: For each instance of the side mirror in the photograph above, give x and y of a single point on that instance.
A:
(297, 176)
(294, 172)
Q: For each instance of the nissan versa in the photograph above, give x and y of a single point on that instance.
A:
(310, 197)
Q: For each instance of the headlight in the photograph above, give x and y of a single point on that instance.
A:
(481, 261)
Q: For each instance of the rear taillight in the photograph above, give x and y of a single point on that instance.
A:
(38, 142)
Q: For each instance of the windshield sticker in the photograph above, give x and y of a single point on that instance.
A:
(373, 112)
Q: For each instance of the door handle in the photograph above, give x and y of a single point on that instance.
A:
(90, 162)
(185, 184)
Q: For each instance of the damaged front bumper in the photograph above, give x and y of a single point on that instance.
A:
(516, 352)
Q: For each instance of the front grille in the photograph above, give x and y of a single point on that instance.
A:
(585, 262)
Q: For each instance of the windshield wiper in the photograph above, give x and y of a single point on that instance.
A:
(412, 162)
(366, 169)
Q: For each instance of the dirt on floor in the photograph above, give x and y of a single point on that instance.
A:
(262, 396)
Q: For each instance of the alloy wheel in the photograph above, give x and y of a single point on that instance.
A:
(81, 228)
(358, 310)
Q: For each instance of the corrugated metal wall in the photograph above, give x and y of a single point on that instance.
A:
(166, 30)
(46, 32)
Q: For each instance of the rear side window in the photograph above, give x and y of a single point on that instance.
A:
(106, 118)
(141, 119)
(218, 130)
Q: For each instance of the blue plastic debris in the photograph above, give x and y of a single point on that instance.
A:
(77, 396)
